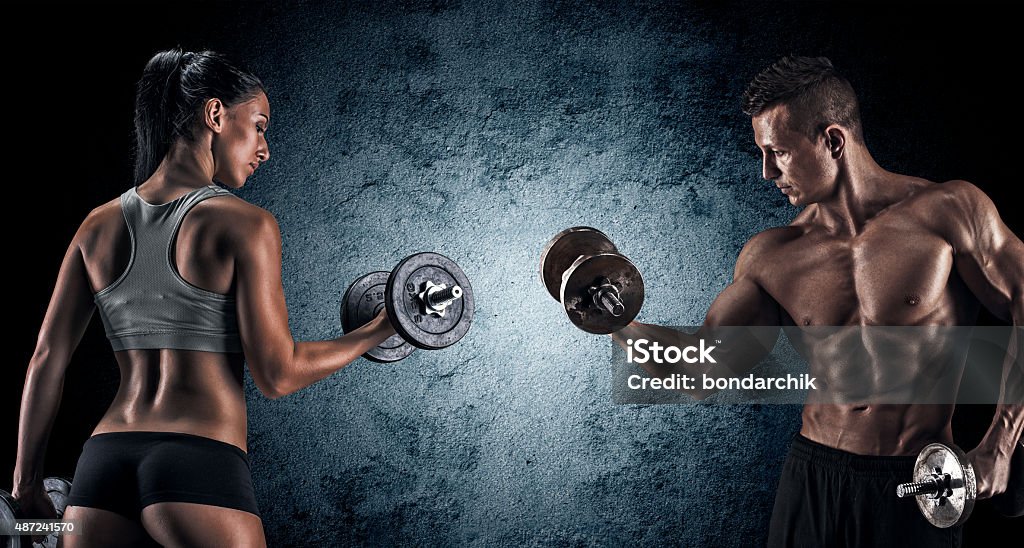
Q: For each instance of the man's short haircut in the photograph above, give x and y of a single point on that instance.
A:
(815, 93)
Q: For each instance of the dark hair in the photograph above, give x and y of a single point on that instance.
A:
(171, 93)
(815, 93)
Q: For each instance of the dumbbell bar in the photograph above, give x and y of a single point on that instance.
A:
(599, 288)
(57, 489)
(429, 301)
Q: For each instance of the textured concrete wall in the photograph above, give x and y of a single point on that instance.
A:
(479, 130)
(480, 133)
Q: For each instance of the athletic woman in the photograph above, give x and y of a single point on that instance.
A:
(187, 280)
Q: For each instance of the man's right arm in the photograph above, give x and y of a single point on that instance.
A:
(742, 304)
(278, 364)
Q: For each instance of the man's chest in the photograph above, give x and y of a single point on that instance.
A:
(888, 275)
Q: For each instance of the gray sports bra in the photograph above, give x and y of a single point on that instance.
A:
(150, 305)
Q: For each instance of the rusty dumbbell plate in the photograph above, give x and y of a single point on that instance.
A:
(567, 246)
(583, 274)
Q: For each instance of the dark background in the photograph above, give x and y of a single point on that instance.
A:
(481, 130)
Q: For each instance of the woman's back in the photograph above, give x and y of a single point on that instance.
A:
(191, 391)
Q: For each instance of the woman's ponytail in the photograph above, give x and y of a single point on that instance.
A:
(174, 86)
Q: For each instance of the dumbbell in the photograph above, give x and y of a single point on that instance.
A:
(944, 485)
(599, 288)
(57, 489)
(429, 302)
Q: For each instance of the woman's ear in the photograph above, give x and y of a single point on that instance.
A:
(214, 113)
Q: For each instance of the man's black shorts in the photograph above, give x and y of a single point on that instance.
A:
(832, 498)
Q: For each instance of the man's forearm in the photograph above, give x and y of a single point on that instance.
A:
(665, 336)
(1008, 423)
(744, 348)
(1006, 429)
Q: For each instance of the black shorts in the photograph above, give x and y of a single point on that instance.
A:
(829, 497)
(126, 471)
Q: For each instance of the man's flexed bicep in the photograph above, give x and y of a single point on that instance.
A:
(745, 303)
(742, 304)
(987, 255)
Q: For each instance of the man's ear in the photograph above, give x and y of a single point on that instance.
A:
(214, 114)
(835, 138)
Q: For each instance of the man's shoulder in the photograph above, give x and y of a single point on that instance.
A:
(955, 192)
(772, 239)
(952, 205)
(962, 192)
(956, 210)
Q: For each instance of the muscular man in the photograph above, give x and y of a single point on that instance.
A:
(870, 248)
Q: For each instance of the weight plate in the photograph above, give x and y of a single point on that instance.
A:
(407, 281)
(585, 273)
(362, 301)
(567, 246)
(7, 517)
(1010, 503)
(963, 486)
(58, 490)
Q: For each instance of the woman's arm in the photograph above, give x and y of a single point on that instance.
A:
(278, 364)
(67, 316)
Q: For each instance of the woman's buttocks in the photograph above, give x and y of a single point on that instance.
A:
(199, 393)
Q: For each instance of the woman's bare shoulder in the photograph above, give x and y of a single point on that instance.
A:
(102, 220)
(234, 218)
(227, 216)
(230, 209)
